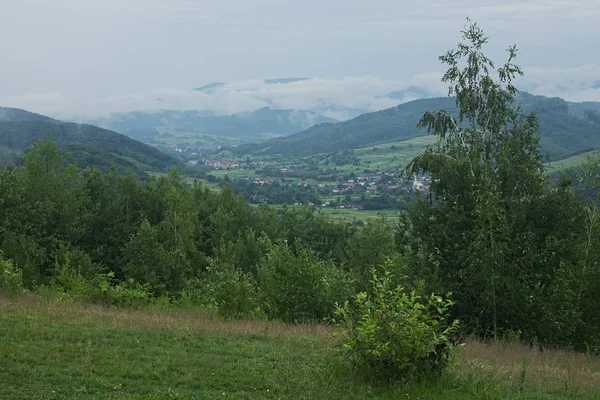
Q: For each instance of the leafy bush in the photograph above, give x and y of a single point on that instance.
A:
(11, 277)
(396, 335)
(300, 287)
(74, 271)
(128, 294)
(230, 290)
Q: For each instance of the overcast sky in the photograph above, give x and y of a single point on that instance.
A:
(70, 57)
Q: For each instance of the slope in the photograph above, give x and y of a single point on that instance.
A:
(141, 125)
(565, 130)
(85, 144)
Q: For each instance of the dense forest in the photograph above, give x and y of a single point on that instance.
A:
(518, 257)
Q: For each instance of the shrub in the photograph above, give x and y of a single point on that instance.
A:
(396, 335)
(127, 294)
(11, 277)
(230, 290)
(300, 287)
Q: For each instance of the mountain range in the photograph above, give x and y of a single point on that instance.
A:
(566, 128)
(141, 125)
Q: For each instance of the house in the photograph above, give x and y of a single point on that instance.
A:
(419, 186)
(303, 183)
(321, 185)
(372, 188)
(349, 185)
(222, 164)
(392, 187)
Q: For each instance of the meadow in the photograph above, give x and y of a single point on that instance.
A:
(56, 349)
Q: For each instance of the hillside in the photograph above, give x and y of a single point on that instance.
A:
(85, 144)
(566, 128)
(143, 125)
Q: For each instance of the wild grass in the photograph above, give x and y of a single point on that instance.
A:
(51, 349)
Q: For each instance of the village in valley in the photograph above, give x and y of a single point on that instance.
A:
(352, 187)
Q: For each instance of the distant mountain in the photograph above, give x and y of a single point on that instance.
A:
(284, 80)
(85, 144)
(392, 124)
(565, 128)
(214, 85)
(141, 125)
(411, 93)
(210, 87)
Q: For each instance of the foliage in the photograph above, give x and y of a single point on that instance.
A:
(299, 287)
(149, 262)
(11, 277)
(394, 334)
(492, 232)
(368, 250)
(232, 291)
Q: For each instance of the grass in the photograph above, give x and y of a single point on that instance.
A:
(348, 216)
(569, 162)
(55, 350)
(388, 156)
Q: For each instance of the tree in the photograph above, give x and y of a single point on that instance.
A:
(487, 177)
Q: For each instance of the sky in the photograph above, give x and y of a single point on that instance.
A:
(77, 58)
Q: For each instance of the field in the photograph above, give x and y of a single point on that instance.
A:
(349, 216)
(388, 156)
(50, 349)
(569, 162)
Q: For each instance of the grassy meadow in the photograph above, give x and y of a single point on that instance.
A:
(52, 349)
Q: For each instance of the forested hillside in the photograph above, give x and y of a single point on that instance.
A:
(85, 145)
(565, 128)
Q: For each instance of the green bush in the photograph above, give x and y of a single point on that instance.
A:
(11, 277)
(230, 290)
(300, 287)
(396, 335)
(128, 294)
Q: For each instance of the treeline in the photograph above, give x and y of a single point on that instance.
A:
(113, 238)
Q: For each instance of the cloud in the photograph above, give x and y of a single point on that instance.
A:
(572, 84)
(335, 97)
(343, 97)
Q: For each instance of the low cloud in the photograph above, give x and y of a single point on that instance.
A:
(572, 84)
(335, 97)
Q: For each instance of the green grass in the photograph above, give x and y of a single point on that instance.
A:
(55, 350)
(349, 216)
(388, 156)
(235, 173)
(569, 162)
